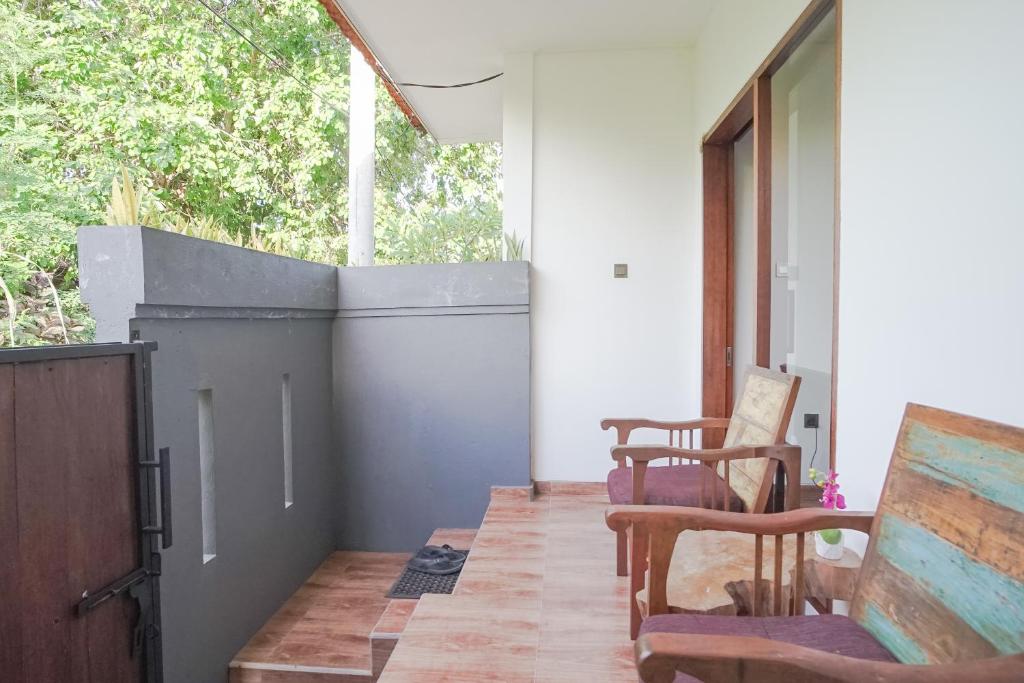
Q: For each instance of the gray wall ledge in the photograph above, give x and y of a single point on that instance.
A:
(158, 269)
(455, 285)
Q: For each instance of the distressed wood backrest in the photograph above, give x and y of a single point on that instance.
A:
(943, 576)
(760, 418)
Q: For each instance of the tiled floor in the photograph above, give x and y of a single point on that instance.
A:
(339, 625)
(389, 628)
(323, 630)
(538, 601)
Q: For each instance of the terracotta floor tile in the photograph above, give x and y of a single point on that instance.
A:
(538, 600)
(327, 622)
(396, 616)
(460, 539)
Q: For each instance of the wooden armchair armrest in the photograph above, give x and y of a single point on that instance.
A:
(648, 453)
(736, 659)
(624, 425)
(675, 520)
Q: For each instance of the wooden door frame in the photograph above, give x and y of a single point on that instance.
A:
(751, 109)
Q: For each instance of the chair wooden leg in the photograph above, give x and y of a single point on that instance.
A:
(638, 541)
(634, 618)
(621, 554)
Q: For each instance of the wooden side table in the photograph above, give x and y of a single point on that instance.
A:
(828, 580)
(711, 572)
(825, 581)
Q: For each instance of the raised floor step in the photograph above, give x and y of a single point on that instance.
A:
(396, 615)
(340, 626)
(322, 633)
(537, 601)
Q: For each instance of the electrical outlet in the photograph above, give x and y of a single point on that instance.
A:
(810, 420)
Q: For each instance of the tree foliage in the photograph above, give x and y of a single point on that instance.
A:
(214, 134)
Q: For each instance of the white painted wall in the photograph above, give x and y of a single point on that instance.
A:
(931, 274)
(736, 37)
(517, 149)
(613, 182)
(932, 264)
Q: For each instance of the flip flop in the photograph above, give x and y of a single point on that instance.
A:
(438, 566)
(445, 551)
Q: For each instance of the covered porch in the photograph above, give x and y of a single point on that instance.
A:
(752, 231)
(701, 187)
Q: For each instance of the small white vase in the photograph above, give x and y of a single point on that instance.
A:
(829, 551)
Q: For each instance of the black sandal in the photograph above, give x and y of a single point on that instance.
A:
(445, 551)
(438, 566)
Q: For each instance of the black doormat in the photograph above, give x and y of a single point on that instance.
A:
(412, 584)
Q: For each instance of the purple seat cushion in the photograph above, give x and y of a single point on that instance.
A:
(671, 485)
(828, 632)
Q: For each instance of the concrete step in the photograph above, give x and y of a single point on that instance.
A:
(322, 632)
(385, 634)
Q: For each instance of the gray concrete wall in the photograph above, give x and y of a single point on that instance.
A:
(232, 321)
(410, 399)
(431, 397)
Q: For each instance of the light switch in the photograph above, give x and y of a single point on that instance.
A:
(621, 270)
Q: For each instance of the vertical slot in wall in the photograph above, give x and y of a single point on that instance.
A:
(206, 470)
(286, 432)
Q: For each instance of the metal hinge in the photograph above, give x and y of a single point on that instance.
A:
(728, 356)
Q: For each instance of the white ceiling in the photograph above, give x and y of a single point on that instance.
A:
(455, 41)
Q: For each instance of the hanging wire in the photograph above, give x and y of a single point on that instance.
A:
(815, 454)
(454, 85)
(278, 63)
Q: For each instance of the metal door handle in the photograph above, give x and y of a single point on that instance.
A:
(163, 465)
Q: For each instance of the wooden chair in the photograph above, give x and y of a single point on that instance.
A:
(736, 477)
(940, 596)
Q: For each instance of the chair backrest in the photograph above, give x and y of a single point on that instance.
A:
(760, 418)
(943, 575)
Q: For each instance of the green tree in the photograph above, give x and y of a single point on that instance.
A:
(213, 132)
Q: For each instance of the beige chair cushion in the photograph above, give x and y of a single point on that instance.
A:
(760, 418)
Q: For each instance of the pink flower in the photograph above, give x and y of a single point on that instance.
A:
(830, 496)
